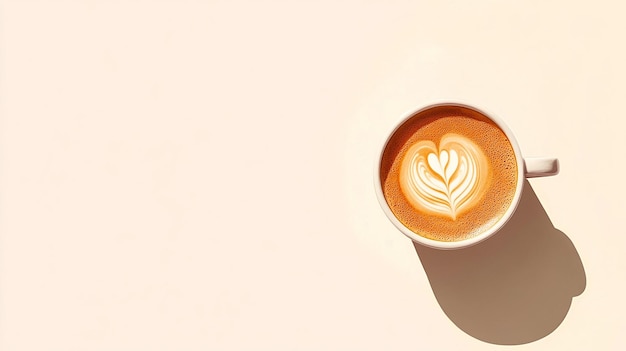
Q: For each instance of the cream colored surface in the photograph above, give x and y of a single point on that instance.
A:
(193, 175)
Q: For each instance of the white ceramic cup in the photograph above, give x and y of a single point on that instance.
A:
(526, 168)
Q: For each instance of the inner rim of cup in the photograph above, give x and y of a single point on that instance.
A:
(487, 233)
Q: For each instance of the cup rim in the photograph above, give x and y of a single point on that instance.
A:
(448, 245)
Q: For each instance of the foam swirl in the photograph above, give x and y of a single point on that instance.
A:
(447, 180)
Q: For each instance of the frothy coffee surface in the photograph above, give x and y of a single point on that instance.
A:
(449, 173)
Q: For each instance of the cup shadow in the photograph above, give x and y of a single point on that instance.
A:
(513, 288)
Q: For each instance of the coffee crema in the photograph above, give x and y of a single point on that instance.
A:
(449, 173)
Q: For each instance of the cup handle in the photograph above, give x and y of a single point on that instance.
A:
(540, 167)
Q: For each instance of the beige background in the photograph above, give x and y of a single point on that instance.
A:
(192, 175)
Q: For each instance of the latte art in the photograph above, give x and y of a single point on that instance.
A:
(446, 180)
(449, 173)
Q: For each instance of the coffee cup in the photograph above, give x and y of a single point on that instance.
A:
(451, 175)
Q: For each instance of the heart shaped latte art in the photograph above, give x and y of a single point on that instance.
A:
(446, 181)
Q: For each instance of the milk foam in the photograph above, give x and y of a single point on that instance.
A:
(446, 180)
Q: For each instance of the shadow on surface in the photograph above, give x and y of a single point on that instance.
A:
(515, 287)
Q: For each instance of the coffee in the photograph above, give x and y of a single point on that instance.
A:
(449, 173)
